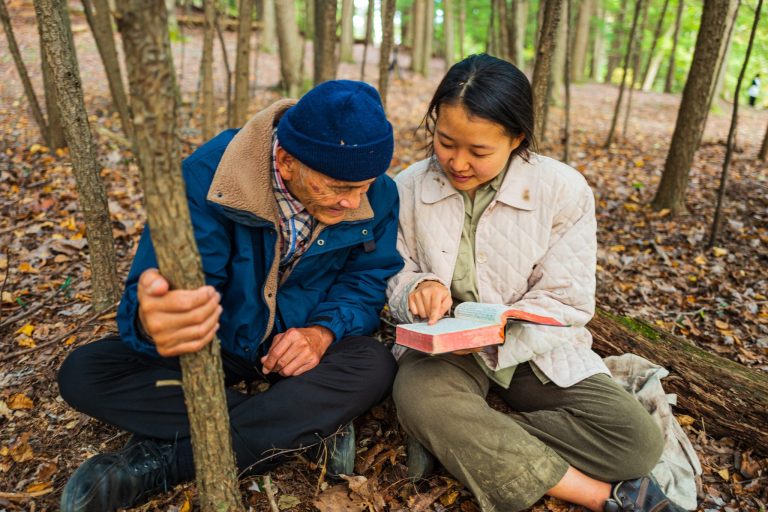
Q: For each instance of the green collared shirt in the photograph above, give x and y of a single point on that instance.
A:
(464, 280)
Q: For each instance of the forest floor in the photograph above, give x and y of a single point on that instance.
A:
(650, 266)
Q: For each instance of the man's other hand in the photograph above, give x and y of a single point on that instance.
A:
(178, 321)
(297, 350)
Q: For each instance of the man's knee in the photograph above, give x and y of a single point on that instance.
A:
(74, 386)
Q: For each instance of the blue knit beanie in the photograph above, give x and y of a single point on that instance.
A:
(339, 129)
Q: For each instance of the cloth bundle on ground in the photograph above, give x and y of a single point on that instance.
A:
(679, 466)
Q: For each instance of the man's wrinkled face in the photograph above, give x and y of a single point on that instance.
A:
(325, 198)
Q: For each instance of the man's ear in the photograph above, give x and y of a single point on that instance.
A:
(287, 165)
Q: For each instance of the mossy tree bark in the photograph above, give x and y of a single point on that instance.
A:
(726, 398)
(60, 53)
(144, 28)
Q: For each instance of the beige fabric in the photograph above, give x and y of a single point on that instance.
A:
(535, 250)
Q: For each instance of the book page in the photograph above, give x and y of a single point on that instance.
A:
(491, 313)
(444, 325)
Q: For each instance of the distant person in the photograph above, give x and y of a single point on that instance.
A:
(485, 219)
(754, 90)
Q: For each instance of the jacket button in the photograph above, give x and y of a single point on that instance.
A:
(481, 257)
(269, 295)
(365, 232)
(321, 242)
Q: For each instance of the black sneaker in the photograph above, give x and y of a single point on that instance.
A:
(343, 448)
(419, 461)
(639, 495)
(110, 481)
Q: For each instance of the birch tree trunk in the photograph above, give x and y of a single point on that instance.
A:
(34, 105)
(670, 80)
(543, 64)
(58, 49)
(347, 30)
(242, 63)
(209, 110)
(694, 106)
(148, 58)
(290, 43)
(325, 42)
(387, 43)
(100, 21)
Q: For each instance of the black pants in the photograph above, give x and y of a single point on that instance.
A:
(112, 383)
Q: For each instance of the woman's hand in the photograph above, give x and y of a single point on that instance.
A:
(430, 300)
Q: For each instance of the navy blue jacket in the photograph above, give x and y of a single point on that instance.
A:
(339, 283)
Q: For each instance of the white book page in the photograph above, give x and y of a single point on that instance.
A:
(490, 313)
(445, 325)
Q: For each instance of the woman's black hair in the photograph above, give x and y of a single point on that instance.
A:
(491, 89)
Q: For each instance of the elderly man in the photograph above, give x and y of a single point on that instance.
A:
(296, 224)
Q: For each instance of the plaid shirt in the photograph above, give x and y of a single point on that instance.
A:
(296, 224)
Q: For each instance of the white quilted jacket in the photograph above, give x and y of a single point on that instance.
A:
(535, 250)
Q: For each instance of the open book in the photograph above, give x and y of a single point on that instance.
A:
(474, 325)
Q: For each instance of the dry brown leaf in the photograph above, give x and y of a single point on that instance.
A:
(20, 401)
(20, 449)
(339, 499)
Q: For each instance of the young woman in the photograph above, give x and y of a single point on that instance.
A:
(485, 219)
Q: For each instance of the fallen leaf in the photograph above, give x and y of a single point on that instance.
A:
(45, 471)
(5, 411)
(700, 259)
(40, 487)
(186, 506)
(287, 501)
(20, 401)
(20, 450)
(70, 341)
(685, 420)
(27, 329)
(339, 499)
(719, 251)
(721, 325)
(724, 474)
(26, 268)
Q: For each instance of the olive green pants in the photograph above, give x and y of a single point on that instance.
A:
(511, 460)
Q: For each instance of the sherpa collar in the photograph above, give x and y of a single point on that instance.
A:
(243, 179)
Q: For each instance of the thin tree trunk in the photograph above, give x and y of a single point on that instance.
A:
(612, 130)
(448, 31)
(763, 153)
(325, 42)
(521, 24)
(581, 39)
(732, 131)
(615, 55)
(290, 43)
(148, 58)
(34, 105)
(694, 106)
(58, 48)
(503, 46)
(462, 24)
(368, 37)
(655, 63)
(227, 68)
(598, 44)
(670, 80)
(723, 64)
(387, 42)
(309, 20)
(100, 20)
(429, 34)
(268, 26)
(55, 128)
(656, 37)
(490, 43)
(567, 79)
(347, 30)
(242, 63)
(543, 64)
(173, 23)
(637, 48)
(209, 110)
(558, 62)
(418, 30)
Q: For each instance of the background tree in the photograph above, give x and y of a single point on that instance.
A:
(60, 52)
(567, 77)
(627, 55)
(55, 135)
(228, 75)
(763, 153)
(100, 21)
(543, 64)
(669, 82)
(144, 27)
(388, 8)
(268, 12)
(209, 112)
(368, 36)
(242, 63)
(462, 24)
(34, 105)
(348, 30)
(325, 42)
(449, 31)
(429, 34)
(694, 106)
(615, 55)
(581, 40)
(290, 42)
(418, 30)
(635, 52)
(598, 42)
(732, 131)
